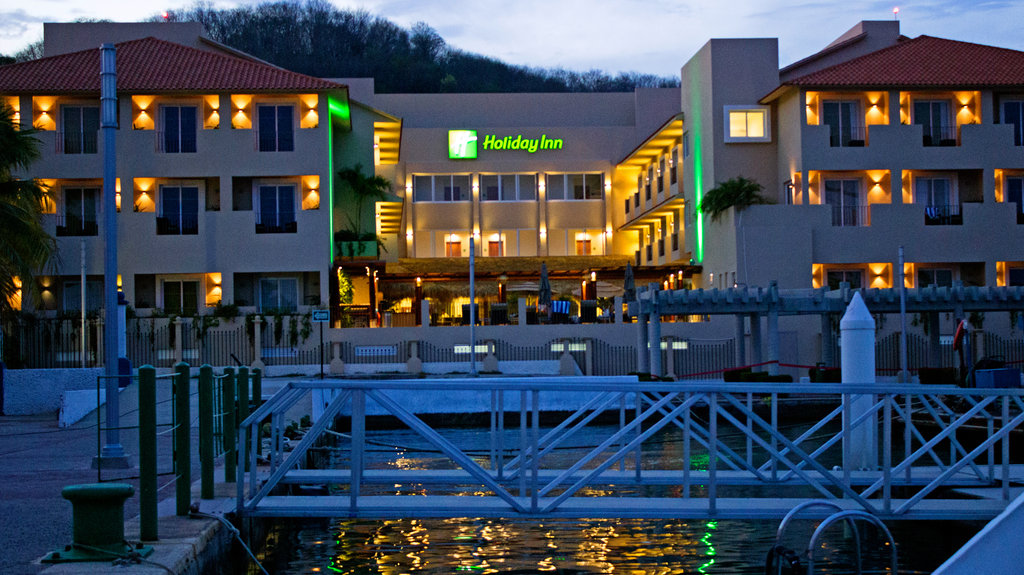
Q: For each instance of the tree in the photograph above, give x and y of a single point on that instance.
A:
(363, 188)
(736, 192)
(25, 247)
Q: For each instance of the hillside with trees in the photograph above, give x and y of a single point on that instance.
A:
(314, 37)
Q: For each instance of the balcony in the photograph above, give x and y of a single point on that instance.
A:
(271, 227)
(939, 135)
(75, 227)
(848, 137)
(943, 215)
(175, 225)
(77, 142)
(175, 143)
(846, 216)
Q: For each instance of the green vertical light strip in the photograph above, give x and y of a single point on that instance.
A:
(696, 127)
(344, 114)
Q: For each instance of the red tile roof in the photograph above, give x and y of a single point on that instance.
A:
(155, 66)
(924, 62)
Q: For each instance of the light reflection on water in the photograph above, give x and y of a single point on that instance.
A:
(568, 546)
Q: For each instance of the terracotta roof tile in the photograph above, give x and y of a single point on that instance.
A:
(924, 62)
(154, 66)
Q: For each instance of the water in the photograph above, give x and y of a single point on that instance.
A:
(620, 546)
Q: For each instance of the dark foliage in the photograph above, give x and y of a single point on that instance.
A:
(313, 37)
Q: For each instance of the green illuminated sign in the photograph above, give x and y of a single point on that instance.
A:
(462, 144)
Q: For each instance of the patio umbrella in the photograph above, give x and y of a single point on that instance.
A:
(544, 289)
(628, 284)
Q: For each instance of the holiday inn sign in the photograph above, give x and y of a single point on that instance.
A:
(463, 144)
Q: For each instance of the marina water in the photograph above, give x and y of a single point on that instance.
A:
(570, 546)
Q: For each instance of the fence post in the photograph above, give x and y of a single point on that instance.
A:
(206, 431)
(257, 341)
(257, 399)
(182, 439)
(147, 454)
(243, 403)
(228, 397)
(179, 355)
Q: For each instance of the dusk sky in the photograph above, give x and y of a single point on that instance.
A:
(652, 36)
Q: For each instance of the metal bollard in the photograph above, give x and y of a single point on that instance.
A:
(243, 404)
(147, 454)
(228, 395)
(182, 440)
(97, 524)
(206, 431)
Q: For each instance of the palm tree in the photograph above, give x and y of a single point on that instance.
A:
(736, 192)
(25, 247)
(364, 188)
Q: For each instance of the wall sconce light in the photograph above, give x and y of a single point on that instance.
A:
(419, 282)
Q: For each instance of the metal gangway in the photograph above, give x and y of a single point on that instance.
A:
(593, 447)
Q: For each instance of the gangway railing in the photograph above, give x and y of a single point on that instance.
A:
(637, 449)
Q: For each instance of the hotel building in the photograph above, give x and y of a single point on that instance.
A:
(228, 192)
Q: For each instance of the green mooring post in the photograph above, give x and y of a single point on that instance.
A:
(228, 395)
(257, 401)
(147, 454)
(97, 524)
(243, 407)
(206, 431)
(182, 440)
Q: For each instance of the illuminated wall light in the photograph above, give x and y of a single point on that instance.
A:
(408, 235)
(543, 233)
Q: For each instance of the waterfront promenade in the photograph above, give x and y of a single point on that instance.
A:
(38, 459)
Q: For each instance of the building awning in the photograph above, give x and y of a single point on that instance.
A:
(669, 134)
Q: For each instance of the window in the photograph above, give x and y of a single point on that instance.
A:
(1015, 276)
(939, 201)
(81, 129)
(276, 128)
(1013, 113)
(277, 210)
(673, 165)
(279, 294)
(179, 211)
(508, 187)
(747, 124)
(1013, 192)
(79, 217)
(686, 144)
(853, 277)
(661, 174)
(179, 135)
(847, 206)
(73, 295)
(934, 117)
(575, 186)
(845, 123)
(647, 183)
(181, 297)
(441, 188)
(932, 276)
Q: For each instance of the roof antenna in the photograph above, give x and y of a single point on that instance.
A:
(896, 13)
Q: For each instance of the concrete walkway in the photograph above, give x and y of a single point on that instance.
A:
(38, 459)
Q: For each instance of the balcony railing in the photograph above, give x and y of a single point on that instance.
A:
(848, 137)
(175, 143)
(636, 258)
(675, 242)
(650, 252)
(77, 142)
(661, 247)
(177, 225)
(847, 216)
(948, 215)
(73, 226)
(939, 135)
(275, 227)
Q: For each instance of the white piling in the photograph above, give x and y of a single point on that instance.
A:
(857, 333)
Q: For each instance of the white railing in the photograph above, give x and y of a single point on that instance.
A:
(930, 438)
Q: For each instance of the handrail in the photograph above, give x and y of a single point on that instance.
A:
(850, 516)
